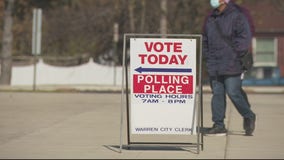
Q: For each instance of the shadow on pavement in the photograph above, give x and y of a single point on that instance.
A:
(151, 147)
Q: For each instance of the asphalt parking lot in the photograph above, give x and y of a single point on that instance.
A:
(87, 125)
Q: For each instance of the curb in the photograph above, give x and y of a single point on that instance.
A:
(117, 89)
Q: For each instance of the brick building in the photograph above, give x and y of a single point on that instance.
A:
(268, 42)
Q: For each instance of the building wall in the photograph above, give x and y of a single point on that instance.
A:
(281, 55)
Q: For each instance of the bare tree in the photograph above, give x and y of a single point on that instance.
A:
(84, 27)
(163, 22)
(142, 22)
(131, 6)
(6, 57)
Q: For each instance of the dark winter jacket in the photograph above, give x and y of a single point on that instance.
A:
(221, 58)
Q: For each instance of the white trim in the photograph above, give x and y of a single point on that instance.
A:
(275, 50)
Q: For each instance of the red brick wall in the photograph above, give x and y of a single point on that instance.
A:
(281, 55)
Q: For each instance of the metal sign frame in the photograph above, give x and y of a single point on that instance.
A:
(125, 91)
(36, 39)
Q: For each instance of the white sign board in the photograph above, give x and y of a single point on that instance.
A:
(163, 83)
(36, 36)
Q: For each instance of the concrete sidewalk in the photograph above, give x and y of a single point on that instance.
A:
(87, 126)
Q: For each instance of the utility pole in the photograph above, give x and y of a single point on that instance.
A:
(115, 41)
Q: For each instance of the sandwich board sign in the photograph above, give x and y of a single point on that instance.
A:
(162, 73)
(161, 95)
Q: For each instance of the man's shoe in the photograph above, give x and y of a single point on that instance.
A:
(245, 123)
(217, 131)
(249, 125)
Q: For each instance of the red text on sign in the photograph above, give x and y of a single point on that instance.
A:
(163, 84)
(162, 59)
(163, 46)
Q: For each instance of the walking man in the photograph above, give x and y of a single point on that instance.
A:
(223, 62)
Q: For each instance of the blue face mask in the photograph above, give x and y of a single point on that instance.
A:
(214, 3)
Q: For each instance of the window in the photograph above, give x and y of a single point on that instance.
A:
(265, 51)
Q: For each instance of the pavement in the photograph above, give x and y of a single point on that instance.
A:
(84, 123)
